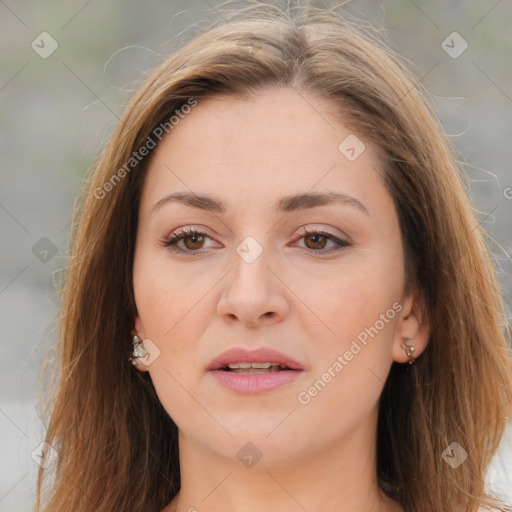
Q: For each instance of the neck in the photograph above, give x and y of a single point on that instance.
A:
(339, 478)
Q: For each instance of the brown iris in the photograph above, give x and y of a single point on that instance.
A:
(194, 237)
(316, 236)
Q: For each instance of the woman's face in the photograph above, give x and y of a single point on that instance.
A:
(329, 302)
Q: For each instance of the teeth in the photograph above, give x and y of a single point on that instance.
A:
(259, 366)
(251, 371)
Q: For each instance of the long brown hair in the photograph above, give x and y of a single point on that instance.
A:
(117, 446)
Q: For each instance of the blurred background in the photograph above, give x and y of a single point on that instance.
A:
(68, 68)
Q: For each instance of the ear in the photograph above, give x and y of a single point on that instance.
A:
(138, 330)
(413, 328)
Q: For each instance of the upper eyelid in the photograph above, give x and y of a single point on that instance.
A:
(303, 230)
(187, 231)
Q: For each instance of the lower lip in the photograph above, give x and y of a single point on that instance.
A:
(256, 383)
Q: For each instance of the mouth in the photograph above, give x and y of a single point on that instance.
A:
(255, 368)
(254, 372)
(262, 360)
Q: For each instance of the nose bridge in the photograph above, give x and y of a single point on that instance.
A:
(252, 292)
(251, 273)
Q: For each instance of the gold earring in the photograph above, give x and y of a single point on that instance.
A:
(409, 350)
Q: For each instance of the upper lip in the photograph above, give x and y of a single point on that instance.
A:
(261, 355)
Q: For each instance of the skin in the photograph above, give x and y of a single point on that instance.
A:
(249, 154)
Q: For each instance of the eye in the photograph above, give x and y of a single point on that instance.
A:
(316, 240)
(192, 239)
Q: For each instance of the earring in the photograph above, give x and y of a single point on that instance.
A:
(409, 350)
(138, 350)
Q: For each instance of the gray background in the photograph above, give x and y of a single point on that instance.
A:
(56, 112)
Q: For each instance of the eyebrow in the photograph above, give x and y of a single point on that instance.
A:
(286, 204)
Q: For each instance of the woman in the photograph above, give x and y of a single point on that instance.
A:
(279, 295)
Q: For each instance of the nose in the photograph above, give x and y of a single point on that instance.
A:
(254, 293)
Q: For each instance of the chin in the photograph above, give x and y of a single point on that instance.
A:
(266, 442)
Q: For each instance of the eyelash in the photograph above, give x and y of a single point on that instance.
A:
(172, 240)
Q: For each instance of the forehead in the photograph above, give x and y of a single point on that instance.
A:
(256, 149)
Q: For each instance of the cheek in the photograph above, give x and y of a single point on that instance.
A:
(351, 298)
(351, 362)
(358, 307)
(165, 296)
(171, 318)
(174, 311)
